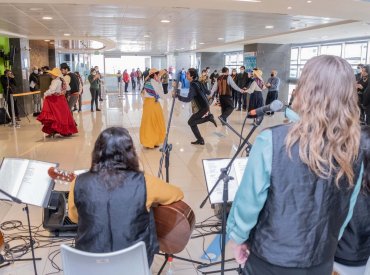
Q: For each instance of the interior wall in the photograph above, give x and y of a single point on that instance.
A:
(39, 53)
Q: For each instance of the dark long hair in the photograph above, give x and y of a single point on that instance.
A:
(365, 146)
(114, 156)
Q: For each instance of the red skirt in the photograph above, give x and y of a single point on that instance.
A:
(56, 116)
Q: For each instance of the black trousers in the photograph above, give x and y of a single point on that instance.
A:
(242, 101)
(94, 98)
(227, 106)
(256, 266)
(271, 96)
(126, 87)
(196, 119)
(133, 83)
(165, 88)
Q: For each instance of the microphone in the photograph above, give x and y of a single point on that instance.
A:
(275, 106)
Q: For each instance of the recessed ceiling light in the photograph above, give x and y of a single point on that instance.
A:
(269, 27)
(36, 9)
(146, 36)
(67, 34)
(201, 43)
(52, 43)
(177, 49)
(47, 40)
(47, 18)
(309, 2)
(182, 49)
(220, 38)
(289, 8)
(165, 21)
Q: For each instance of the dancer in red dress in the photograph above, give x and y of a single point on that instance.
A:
(55, 115)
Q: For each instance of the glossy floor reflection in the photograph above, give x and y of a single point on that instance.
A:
(74, 153)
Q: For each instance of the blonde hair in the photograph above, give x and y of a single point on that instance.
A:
(328, 131)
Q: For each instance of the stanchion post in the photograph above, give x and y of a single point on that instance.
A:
(13, 112)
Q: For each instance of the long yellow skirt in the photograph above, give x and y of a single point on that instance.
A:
(152, 128)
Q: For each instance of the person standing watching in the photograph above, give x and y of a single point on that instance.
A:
(9, 86)
(139, 78)
(34, 82)
(126, 79)
(94, 89)
(100, 82)
(273, 84)
(81, 90)
(164, 80)
(302, 179)
(243, 82)
(72, 82)
(133, 76)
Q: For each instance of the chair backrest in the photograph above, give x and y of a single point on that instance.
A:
(132, 260)
(367, 268)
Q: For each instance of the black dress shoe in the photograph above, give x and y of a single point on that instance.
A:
(238, 109)
(198, 142)
(98, 110)
(212, 119)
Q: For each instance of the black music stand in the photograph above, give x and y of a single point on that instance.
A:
(166, 149)
(224, 176)
(33, 259)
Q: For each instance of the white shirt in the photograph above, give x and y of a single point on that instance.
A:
(55, 87)
(253, 87)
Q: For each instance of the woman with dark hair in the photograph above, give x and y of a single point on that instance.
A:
(354, 247)
(197, 92)
(152, 127)
(302, 179)
(112, 201)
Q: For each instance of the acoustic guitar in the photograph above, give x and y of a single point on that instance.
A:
(174, 222)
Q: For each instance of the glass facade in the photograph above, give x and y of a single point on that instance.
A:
(355, 52)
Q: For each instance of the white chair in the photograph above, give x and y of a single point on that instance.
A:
(351, 270)
(132, 260)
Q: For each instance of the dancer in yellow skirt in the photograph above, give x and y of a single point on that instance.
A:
(152, 128)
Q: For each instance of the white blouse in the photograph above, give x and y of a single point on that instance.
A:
(55, 87)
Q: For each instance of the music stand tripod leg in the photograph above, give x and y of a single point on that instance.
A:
(31, 240)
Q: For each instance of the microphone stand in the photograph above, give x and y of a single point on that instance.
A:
(33, 259)
(166, 149)
(224, 176)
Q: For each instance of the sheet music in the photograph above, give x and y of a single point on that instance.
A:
(11, 175)
(28, 180)
(212, 171)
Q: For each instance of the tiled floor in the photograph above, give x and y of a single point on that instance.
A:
(73, 153)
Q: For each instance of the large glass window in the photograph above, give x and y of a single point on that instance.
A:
(233, 60)
(331, 49)
(355, 52)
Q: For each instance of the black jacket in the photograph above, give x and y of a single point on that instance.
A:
(198, 92)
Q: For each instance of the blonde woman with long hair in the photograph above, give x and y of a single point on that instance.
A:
(302, 179)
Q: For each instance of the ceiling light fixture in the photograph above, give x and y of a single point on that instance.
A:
(269, 27)
(47, 40)
(201, 43)
(165, 21)
(289, 8)
(36, 9)
(309, 2)
(47, 18)
(67, 34)
(220, 38)
(182, 49)
(250, 1)
(146, 36)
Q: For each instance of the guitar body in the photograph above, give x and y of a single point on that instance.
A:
(174, 223)
(2, 243)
